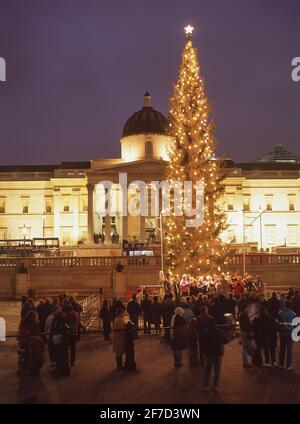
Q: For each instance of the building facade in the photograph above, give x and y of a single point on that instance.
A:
(261, 199)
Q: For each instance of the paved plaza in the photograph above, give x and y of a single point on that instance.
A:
(95, 380)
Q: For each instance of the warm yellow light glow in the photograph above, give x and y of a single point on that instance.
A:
(189, 29)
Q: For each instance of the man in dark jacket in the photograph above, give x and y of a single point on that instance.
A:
(213, 340)
(273, 305)
(167, 311)
(134, 311)
(146, 309)
(203, 322)
(217, 311)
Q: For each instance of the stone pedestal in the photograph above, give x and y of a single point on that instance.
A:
(22, 285)
(119, 284)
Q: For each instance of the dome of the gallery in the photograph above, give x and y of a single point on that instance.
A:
(146, 121)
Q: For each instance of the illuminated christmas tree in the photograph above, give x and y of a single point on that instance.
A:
(193, 249)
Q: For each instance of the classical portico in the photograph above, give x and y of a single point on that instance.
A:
(125, 227)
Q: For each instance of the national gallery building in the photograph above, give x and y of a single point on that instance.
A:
(66, 201)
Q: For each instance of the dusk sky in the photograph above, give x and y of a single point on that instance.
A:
(77, 69)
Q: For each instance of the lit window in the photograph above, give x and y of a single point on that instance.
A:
(25, 205)
(84, 204)
(291, 202)
(230, 204)
(48, 206)
(248, 233)
(2, 205)
(270, 232)
(269, 202)
(292, 231)
(66, 236)
(246, 203)
(231, 235)
(66, 204)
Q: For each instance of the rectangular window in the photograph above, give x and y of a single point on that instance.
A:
(231, 235)
(270, 232)
(248, 233)
(230, 206)
(269, 202)
(66, 237)
(84, 235)
(2, 205)
(25, 205)
(291, 239)
(48, 206)
(291, 202)
(66, 204)
(3, 233)
(246, 201)
(84, 204)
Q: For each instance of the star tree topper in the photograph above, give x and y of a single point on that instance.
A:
(189, 30)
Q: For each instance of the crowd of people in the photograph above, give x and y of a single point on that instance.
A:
(56, 324)
(199, 315)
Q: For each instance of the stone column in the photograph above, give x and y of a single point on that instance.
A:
(90, 189)
(107, 229)
(56, 211)
(107, 218)
(75, 196)
(125, 227)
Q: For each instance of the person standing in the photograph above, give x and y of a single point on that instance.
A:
(246, 334)
(60, 342)
(184, 285)
(146, 309)
(119, 338)
(48, 326)
(105, 317)
(179, 336)
(203, 322)
(167, 283)
(31, 342)
(274, 305)
(72, 321)
(156, 314)
(285, 318)
(213, 340)
(167, 310)
(134, 311)
(269, 337)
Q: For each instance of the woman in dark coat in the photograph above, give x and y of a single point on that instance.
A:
(269, 337)
(105, 317)
(30, 344)
(179, 336)
(156, 314)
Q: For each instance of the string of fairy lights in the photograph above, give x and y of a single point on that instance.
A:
(192, 159)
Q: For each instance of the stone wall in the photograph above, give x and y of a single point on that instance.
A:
(86, 275)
